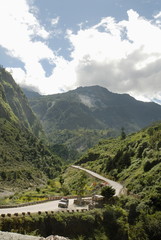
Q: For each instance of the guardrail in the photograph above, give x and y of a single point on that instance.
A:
(35, 202)
(40, 213)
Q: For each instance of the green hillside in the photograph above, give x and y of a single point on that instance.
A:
(135, 161)
(70, 144)
(14, 106)
(25, 160)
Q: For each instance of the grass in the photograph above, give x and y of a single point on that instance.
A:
(31, 195)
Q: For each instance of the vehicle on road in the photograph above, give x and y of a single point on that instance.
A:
(63, 203)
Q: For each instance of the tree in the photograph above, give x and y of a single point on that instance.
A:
(3, 175)
(61, 180)
(123, 134)
(38, 190)
(108, 192)
(79, 186)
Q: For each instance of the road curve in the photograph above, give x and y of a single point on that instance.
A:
(43, 207)
(117, 186)
(53, 205)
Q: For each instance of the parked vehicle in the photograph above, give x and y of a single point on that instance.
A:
(63, 203)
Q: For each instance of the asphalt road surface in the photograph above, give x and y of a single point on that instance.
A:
(117, 186)
(53, 205)
(43, 207)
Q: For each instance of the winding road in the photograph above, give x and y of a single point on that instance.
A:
(117, 186)
(53, 205)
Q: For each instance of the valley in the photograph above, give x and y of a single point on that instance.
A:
(76, 120)
(53, 205)
(47, 142)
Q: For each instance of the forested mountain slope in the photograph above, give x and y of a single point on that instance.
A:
(94, 108)
(14, 106)
(134, 160)
(76, 120)
(24, 159)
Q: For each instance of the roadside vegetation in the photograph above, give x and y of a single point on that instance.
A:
(72, 182)
(112, 222)
(94, 224)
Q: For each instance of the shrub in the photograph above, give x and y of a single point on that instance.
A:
(150, 164)
(108, 192)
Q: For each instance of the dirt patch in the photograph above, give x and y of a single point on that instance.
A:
(5, 193)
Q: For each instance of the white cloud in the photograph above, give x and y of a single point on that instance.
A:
(54, 21)
(122, 56)
(19, 30)
(158, 15)
(19, 75)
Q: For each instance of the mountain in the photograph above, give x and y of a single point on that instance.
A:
(25, 159)
(94, 108)
(30, 93)
(14, 105)
(79, 118)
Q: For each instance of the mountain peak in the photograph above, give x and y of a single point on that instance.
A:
(95, 107)
(92, 89)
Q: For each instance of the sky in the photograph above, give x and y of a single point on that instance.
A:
(54, 46)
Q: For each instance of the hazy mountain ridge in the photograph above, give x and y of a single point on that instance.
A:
(30, 93)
